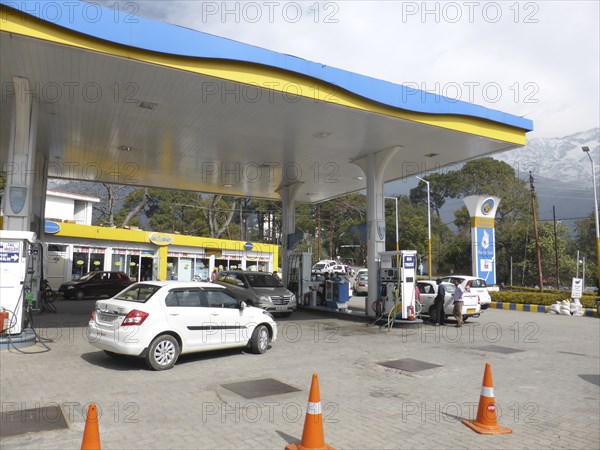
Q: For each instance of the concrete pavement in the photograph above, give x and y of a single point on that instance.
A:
(545, 370)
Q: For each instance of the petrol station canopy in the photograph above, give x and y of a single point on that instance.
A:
(129, 100)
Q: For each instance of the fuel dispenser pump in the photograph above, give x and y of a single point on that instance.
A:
(397, 284)
(19, 283)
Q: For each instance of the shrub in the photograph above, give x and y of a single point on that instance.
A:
(539, 298)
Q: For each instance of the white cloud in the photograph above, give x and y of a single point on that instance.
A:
(544, 55)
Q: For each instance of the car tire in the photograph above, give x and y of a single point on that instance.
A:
(259, 342)
(163, 352)
(79, 295)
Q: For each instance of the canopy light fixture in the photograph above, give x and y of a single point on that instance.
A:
(431, 155)
(322, 135)
(125, 148)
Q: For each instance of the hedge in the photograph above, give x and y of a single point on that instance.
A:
(540, 298)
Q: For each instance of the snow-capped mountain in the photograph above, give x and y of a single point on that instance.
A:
(560, 159)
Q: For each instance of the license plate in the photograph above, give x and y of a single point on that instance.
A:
(280, 307)
(106, 318)
(470, 311)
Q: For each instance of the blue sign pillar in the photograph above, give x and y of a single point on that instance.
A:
(482, 210)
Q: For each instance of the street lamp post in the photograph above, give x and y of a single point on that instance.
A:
(428, 224)
(587, 151)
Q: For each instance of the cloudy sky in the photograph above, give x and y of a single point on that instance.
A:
(534, 59)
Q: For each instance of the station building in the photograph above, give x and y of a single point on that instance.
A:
(73, 247)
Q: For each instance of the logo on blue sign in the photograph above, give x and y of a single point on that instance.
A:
(51, 227)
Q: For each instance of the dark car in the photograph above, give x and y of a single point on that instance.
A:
(259, 289)
(95, 284)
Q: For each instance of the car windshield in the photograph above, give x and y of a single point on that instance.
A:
(138, 292)
(450, 288)
(263, 281)
(478, 283)
(87, 276)
(363, 276)
(318, 266)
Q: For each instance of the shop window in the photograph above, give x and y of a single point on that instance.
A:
(133, 266)
(80, 265)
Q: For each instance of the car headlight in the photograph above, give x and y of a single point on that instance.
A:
(264, 300)
(70, 287)
(293, 298)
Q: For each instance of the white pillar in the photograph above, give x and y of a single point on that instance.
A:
(288, 223)
(373, 166)
(20, 212)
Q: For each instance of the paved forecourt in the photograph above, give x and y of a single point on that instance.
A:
(545, 371)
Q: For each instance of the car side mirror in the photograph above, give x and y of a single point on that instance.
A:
(243, 305)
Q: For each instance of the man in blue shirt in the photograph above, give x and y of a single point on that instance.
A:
(438, 304)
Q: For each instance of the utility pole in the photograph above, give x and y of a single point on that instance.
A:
(318, 233)
(556, 248)
(535, 232)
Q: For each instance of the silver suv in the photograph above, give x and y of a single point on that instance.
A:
(259, 289)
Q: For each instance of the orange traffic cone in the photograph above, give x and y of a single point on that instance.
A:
(486, 413)
(91, 434)
(312, 436)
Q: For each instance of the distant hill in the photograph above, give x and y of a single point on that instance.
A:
(562, 173)
(562, 176)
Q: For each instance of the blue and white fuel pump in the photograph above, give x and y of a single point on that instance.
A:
(397, 284)
(17, 267)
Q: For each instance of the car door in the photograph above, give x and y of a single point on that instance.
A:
(188, 314)
(427, 293)
(230, 326)
(95, 286)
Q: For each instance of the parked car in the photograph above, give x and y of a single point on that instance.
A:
(323, 266)
(361, 285)
(340, 269)
(95, 284)
(428, 291)
(361, 271)
(259, 289)
(474, 285)
(160, 320)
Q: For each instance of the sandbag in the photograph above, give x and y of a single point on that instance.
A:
(555, 308)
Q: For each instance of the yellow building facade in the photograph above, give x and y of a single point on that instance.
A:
(71, 250)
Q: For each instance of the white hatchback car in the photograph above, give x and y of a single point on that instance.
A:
(428, 291)
(473, 285)
(160, 320)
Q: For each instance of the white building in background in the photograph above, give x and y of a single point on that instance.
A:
(70, 208)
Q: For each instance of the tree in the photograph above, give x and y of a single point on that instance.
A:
(439, 191)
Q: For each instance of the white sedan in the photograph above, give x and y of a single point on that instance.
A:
(428, 291)
(160, 320)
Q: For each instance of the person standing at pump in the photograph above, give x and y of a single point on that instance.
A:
(458, 303)
(438, 304)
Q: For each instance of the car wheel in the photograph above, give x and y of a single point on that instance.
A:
(259, 343)
(163, 352)
(79, 295)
